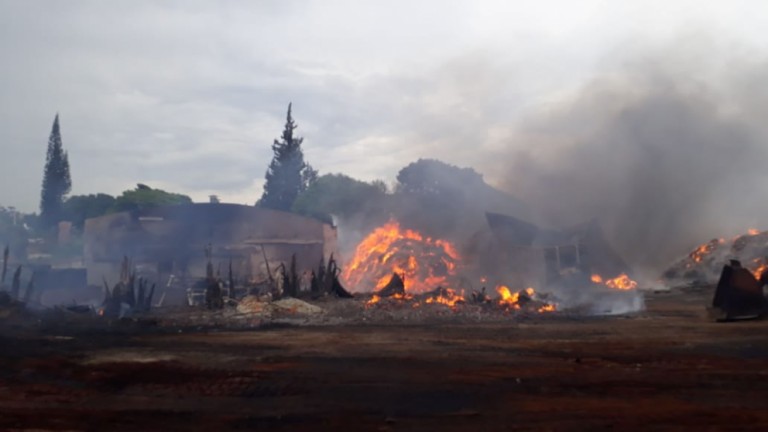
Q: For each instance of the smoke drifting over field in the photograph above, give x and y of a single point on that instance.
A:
(666, 155)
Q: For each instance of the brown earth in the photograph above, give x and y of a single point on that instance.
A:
(667, 368)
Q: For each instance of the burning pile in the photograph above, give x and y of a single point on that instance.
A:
(405, 268)
(621, 282)
(703, 264)
(422, 263)
(527, 298)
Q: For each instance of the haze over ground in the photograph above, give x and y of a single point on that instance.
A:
(646, 114)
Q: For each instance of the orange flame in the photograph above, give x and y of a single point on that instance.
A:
(512, 300)
(703, 250)
(620, 282)
(507, 297)
(762, 266)
(753, 231)
(425, 263)
(448, 298)
(547, 308)
(376, 299)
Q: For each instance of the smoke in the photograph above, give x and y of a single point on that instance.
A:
(667, 151)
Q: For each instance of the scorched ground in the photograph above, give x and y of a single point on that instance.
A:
(668, 367)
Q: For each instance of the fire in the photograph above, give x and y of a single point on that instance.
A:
(518, 300)
(424, 263)
(762, 266)
(507, 297)
(447, 297)
(753, 232)
(375, 299)
(510, 299)
(705, 249)
(621, 282)
(547, 308)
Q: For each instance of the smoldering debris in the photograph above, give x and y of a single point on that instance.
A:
(702, 265)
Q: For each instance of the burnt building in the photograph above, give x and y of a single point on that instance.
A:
(172, 240)
(542, 256)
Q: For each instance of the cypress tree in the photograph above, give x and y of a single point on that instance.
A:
(56, 180)
(288, 175)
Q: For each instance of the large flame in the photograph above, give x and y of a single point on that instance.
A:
(620, 282)
(517, 300)
(424, 263)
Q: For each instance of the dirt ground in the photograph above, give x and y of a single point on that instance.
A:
(666, 368)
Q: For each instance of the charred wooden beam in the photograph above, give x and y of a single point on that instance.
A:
(480, 296)
(337, 288)
(30, 289)
(289, 278)
(214, 296)
(266, 263)
(231, 278)
(148, 300)
(395, 286)
(16, 284)
(141, 294)
(6, 253)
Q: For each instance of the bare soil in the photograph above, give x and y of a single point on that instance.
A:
(666, 368)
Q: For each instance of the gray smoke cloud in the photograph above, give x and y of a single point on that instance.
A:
(668, 151)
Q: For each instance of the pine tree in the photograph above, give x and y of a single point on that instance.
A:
(288, 175)
(56, 180)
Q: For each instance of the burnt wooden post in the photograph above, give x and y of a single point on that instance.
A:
(30, 289)
(6, 253)
(16, 285)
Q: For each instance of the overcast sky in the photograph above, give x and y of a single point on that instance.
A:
(188, 95)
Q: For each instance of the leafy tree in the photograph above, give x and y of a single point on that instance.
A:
(340, 195)
(145, 197)
(431, 177)
(288, 175)
(56, 180)
(78, 208)
(437, 198)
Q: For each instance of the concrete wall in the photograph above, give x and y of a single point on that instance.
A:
(173, 238)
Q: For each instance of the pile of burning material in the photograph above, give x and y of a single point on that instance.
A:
(423, 263)
(702, 265)
(406, 269)
(739, 294)
(394, 295)
(621, 282)
(527, 299)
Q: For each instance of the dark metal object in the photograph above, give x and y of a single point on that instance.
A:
(739, 295)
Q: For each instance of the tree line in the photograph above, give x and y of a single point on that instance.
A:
(291, 184)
